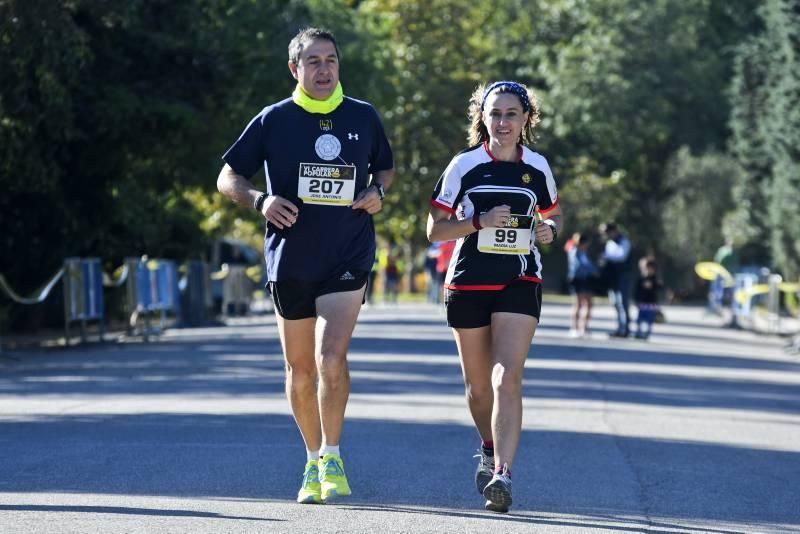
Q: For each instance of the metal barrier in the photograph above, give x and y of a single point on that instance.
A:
(83, 280)
(742, 301)
(83, 294)
(196, 298)
(237, 290)
(153, 287)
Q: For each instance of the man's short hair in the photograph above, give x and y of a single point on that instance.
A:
(304, 37)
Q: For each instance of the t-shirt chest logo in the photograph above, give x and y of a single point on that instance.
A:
(327, 146)
(526, 178)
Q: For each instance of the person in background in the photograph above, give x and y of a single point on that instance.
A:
(434, 286)
(373, 276)
(646, 297)
(446, 249)
(392, 268)
(581, 276)
(617, 276)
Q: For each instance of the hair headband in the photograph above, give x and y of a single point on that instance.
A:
(514, 87)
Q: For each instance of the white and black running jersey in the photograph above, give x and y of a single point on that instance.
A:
(475, 182)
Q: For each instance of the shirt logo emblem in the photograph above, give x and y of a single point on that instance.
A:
(446, 194)
(526, 178)
(328, 147)
(352, 136)
(326, 125)
(347, 276)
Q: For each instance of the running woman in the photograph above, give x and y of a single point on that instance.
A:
(489, 199)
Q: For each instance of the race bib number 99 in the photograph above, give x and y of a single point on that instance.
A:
(514, 238)
(326, 184)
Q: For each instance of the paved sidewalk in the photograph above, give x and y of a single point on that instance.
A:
(697, 430)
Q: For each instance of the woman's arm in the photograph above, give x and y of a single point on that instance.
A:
(442, 227)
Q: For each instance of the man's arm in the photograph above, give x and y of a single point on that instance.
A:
(236, 187)
(384, 177)
(277, 210)
(369, 199)
(617, 252)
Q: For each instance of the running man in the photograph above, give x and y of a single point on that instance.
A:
(328, 163)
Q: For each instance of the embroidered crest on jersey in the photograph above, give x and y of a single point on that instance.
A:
(328, 147)
(446, 194)
(326, 125)
(526, 178)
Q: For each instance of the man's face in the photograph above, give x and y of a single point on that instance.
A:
(317, 71)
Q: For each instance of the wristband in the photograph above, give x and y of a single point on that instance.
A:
(259, 203)
(476, 221)
(552, 226)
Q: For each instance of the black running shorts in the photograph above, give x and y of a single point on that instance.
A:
(474, 309)
(296, 299)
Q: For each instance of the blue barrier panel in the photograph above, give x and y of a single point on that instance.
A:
(83, 293)
(167, 282)
(92, 288)
(143, 294)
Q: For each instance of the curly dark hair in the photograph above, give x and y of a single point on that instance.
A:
(304, 38)
(478, 133)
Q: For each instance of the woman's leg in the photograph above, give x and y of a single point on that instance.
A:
(474, 350)
(585, 300)
(511, 335)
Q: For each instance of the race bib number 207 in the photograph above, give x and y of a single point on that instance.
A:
(326, 184)
(514, 238)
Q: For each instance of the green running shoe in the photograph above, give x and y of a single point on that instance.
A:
(332, 477)
(311, 490)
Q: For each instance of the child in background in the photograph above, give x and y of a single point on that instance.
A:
(646, 297)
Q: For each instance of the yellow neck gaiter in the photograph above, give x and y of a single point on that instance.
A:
(318, 106)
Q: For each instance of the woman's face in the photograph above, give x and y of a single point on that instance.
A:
(504, 118)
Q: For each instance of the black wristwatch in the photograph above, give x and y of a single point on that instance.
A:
(379, 187)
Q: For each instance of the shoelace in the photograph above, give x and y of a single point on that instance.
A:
(311, 475)
(486, 461)
(502, 476)
(331, 467)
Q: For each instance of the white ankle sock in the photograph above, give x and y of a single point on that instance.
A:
(329, 449)
(311, 455)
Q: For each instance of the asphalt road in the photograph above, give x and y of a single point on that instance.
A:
(697, 430)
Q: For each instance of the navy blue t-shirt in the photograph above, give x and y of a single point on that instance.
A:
(319, 162)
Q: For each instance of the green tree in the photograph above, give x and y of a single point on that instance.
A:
(766, 95)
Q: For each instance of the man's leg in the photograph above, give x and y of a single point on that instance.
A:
(625, 297)
(615, 297)
(337, 315)
(297, 339)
